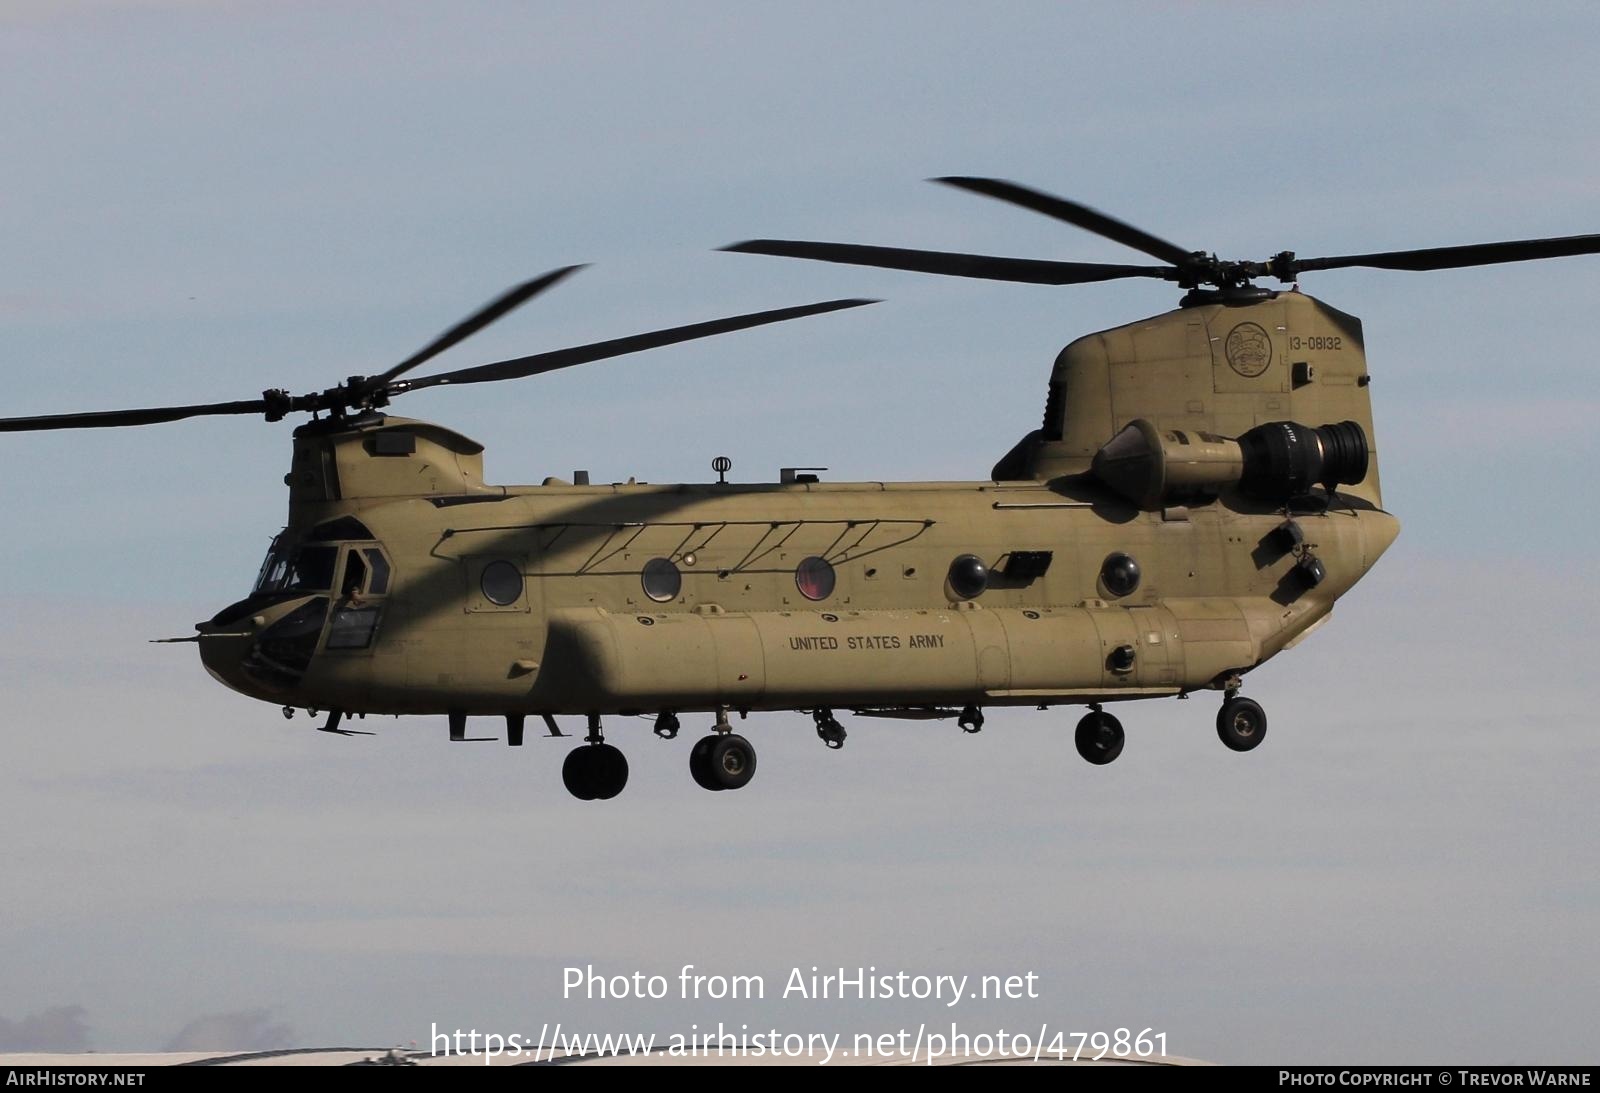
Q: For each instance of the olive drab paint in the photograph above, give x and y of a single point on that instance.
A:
(578, 633)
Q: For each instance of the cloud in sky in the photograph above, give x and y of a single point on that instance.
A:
(243, 1030)
(59, 1029)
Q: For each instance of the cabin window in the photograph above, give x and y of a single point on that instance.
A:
(815, 578)
(1119, 573)
(501, 583)
(661, 580)
(968, 576)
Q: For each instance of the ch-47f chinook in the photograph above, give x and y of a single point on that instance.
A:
(1202, 489)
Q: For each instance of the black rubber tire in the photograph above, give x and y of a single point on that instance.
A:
(578, 773)
(732, 761)
(1099, 737)
(1241, 723)
(610, 769)
(700, 763)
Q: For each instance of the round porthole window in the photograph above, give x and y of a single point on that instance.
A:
(501, 583)
(815, 578)
(968, 576)
(661, 580)
(1120, 574)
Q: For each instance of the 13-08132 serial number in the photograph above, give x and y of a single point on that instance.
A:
(1329, 343)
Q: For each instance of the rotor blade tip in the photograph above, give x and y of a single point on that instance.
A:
(844, 305)
(546, 280)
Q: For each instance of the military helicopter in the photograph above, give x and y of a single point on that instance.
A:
(1202, 489)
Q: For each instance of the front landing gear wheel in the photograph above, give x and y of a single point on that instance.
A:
(1241, 723)
(722, 761)
(1099, 737)
(731, 761)
(700, 762)
(595, 772)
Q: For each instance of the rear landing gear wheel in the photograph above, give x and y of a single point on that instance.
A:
(1241, 723)
(595, 772)
(612, 771)
(1099, 737)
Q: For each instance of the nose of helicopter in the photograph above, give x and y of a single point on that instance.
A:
(223, 650)
(238, 643)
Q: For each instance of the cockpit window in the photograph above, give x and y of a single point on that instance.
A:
(307, 568)
(313, 568)
(355, 575)
(275, 569)
(380, 571)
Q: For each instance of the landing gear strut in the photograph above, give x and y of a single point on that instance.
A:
(1241, 723)
(597, 771)
(723, 760)
(1099, 737)
(829, 731)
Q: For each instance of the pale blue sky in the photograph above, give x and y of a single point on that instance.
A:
(205, 199)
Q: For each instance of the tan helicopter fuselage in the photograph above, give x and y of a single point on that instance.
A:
(438, 593)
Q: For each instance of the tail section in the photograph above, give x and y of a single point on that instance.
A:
(1210, 371)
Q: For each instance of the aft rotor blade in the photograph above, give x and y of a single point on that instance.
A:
(473, 323)
(107, 419)
(1073, 213)
(1472, 254)
(616, 347)
(1031, 271)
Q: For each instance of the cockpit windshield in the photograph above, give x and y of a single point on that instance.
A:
(290, 566)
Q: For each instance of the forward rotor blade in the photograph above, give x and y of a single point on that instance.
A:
(106, 419)
(1472, 254)
(473, 323)
(1073, 213)
(616, 347)
(987, 267)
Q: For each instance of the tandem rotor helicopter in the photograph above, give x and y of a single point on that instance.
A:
(1202, 488)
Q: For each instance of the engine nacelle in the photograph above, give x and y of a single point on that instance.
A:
(1276, 461)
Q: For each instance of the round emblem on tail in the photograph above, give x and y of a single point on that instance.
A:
(1249, 350)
